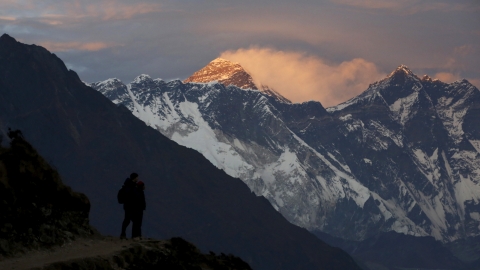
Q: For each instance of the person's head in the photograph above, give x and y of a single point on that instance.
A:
(141, 185)
(134, 177)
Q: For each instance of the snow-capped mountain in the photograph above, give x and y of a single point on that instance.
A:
(230, 73)
(403, 156)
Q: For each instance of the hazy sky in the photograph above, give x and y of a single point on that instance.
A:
(325, 50)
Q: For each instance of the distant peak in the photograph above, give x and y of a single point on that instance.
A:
(228, 73)
(224, 63)
(402, 69)
(111, 80)
(224, 72)
(426, 78)
(142, 77)
(221, 60)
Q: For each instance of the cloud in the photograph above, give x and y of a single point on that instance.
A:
(373, 4)
(109, 9)
(475, 82)
(172, 39)
(56, 12)
(408, 6)
(7, 18)
(300, 77)
(447, 77)
(464, 50)
(462, 58)
(70, 46)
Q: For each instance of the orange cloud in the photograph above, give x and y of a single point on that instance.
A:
(447, 77)
(300, 77)
(69, 46)
(475, 82)
(7, 18)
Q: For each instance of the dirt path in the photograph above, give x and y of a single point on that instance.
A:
(82, 248)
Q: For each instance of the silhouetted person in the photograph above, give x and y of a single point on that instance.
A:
(139, 206)
(133, 206)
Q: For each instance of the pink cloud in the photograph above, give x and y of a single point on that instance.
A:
(300, 77)
(475, 82)
(7, 18)
(447, 77)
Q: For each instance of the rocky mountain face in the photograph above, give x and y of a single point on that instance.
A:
(224, 72)
(95, 145)
(36, 209)
(403, 156)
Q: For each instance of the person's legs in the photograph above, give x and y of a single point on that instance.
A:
(137, 224)
(126, 222)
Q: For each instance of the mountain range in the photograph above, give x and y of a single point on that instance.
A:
(94, 145)
(402, 156)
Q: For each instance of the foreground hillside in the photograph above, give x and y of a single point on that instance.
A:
(111, 253)
(95, 145)
(44, 225)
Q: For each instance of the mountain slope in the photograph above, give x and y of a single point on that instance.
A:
(94, 145)
(431, 173)
(402, 156)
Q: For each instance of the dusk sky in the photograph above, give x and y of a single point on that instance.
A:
(324, 50)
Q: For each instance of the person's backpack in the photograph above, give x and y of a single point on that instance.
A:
(122, 195)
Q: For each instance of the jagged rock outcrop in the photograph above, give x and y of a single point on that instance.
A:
(36, 209)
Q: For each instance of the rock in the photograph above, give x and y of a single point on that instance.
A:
(38, 210)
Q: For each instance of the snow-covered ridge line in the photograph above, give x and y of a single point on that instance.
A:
(392, 158)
